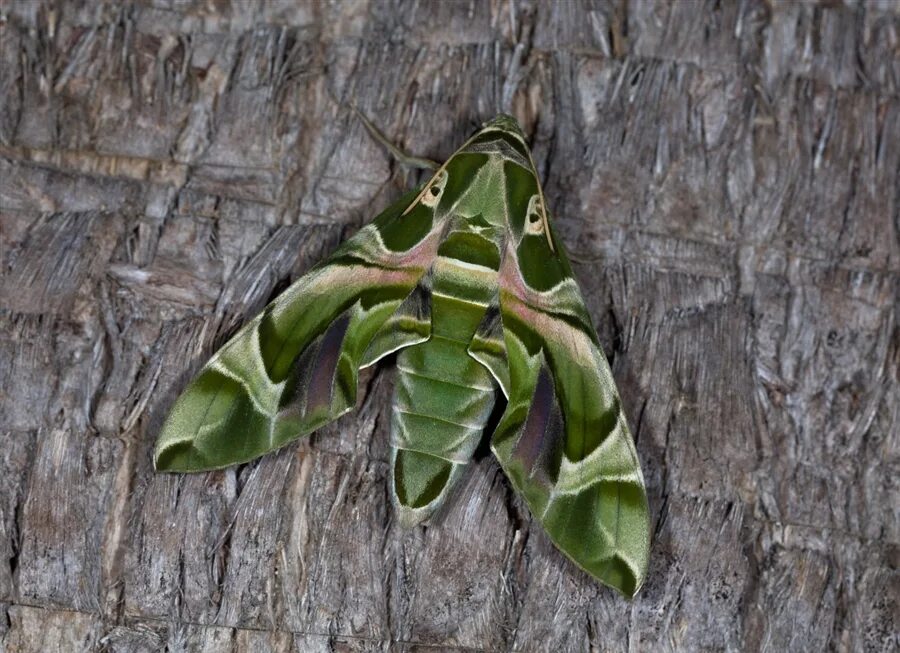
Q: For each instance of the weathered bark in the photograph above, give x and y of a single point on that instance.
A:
(166, 168)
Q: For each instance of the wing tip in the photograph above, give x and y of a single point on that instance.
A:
(614, 572)
(410, 517)
(172, 457)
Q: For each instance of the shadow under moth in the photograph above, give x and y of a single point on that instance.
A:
(466, 281)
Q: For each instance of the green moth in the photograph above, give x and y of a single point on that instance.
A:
(466, 281)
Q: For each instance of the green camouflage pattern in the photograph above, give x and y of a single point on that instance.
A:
(466, 281)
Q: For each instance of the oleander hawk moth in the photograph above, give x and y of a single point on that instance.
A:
(466, 281)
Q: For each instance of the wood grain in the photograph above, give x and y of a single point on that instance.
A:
(727, 171)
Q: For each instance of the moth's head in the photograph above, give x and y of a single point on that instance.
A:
(505, 123)
(501, 137)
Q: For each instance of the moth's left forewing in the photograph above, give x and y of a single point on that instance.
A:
(294, 367)
(563, 439)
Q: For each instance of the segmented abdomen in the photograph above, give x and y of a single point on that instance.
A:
(443, 397)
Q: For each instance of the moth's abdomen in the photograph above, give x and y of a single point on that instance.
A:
(442, 400)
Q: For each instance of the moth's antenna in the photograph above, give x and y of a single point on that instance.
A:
(396, 152)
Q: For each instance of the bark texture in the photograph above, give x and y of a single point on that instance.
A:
(729, 172)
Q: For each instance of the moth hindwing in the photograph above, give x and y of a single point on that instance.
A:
(465, 279)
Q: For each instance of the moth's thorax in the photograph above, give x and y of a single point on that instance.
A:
(474, 231)
(482, 206)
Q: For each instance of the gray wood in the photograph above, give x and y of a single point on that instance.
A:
(732, 167)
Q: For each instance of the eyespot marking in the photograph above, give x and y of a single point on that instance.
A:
(431, 192)
(434, 189)
(535, 223)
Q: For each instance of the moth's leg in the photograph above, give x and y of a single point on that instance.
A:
(402, 157)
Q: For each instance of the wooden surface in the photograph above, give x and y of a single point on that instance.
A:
(734, 168)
